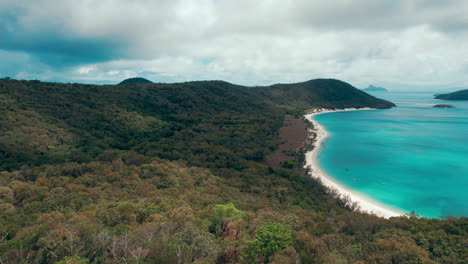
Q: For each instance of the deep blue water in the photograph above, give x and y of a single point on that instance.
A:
(412, 157)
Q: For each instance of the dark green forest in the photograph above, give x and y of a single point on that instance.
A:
(175, 173)
(461, 95)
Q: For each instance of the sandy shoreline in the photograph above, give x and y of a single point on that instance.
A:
(365, 203)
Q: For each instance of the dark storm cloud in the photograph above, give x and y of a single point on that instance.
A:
(51, 45)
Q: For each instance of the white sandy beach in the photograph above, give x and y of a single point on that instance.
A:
(365, 203)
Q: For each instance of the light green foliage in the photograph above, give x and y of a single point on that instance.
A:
(270, 239)
(72, 260)
(223, 214)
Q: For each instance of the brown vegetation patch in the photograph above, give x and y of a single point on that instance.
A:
(292, 136)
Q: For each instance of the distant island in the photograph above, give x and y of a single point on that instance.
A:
(443, 106)
(373, 88)
(135, 80)
(461, 95)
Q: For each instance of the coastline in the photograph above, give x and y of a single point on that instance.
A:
(319, 134)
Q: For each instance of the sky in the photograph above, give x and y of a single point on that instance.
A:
(398, 44)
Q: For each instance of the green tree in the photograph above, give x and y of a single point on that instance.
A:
(224, 214)
(200, 243)
(270, 239)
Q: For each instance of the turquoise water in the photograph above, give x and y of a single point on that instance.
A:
(412, 157)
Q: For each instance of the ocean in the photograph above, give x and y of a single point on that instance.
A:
(412, 157)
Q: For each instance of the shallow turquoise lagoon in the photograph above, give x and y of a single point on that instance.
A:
(412, 157)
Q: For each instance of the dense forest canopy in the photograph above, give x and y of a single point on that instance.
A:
(175, 173)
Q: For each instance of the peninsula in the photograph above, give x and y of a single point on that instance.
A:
(461, 95)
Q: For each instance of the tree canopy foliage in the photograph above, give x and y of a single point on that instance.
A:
(174, 173)
(270, 238)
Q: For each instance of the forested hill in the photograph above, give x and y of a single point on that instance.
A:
(175, 173)
(328, 93)
(135, 80)
(47, 123)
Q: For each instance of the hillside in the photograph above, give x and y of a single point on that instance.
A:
(373, 88)
(175, 173)
(461, 95)
(52, 122)
(327, 93)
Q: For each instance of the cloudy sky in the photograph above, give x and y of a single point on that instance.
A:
(400, 44)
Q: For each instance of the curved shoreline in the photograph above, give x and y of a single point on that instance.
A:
(365, 204)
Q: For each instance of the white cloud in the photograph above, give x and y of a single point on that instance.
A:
(390, 43)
